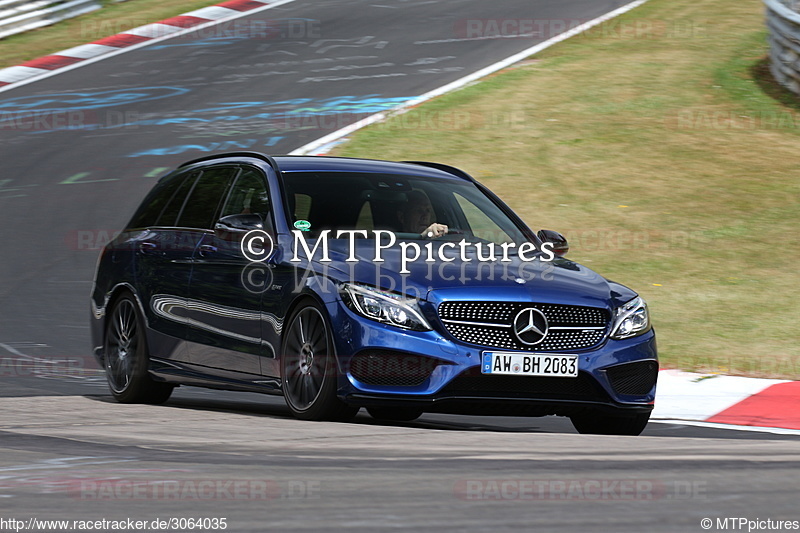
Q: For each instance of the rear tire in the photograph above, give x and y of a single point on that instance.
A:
(127, 357)
(308, 367)
(604, 424)
(396, 414)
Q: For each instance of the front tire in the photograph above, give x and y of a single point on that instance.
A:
(308, 367)
(604, 424)
(127, 357)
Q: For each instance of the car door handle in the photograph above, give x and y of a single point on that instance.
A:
(207, 249)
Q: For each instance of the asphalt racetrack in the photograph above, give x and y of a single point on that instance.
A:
(80, 150)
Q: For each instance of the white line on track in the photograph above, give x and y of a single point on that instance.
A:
(16, 352)
(759, 429)
(314, 147)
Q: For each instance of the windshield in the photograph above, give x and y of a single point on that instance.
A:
(406, 205)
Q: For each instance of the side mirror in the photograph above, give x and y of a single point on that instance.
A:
(233, 227)
(560, 244)
(237, 224)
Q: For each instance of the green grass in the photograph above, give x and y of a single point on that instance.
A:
(113, 18)
(661, 147)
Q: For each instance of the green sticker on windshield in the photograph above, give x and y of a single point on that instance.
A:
(302, 225)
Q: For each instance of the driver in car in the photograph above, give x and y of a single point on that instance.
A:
(415, 217)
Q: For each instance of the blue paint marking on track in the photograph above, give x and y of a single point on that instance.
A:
(60, 102)
(371, 103)
(210, 147)
(214, 41)
(291, 112)
(272, 141)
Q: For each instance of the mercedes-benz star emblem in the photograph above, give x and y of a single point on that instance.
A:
(530, 326)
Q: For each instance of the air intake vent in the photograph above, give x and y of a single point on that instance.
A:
(388, 368)
(633, 379)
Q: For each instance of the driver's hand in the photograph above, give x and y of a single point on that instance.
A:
(435, 230)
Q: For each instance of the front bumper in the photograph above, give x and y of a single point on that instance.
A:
(381, 365)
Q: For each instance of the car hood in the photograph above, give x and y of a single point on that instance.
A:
(558, 281)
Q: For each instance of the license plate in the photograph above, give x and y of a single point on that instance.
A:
(529, 364)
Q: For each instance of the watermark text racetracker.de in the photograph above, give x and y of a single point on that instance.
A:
(51, 367)
(582, 240)
(598, 489)
(193, 489)
(105, 524)
(547, 28)
(214, 34)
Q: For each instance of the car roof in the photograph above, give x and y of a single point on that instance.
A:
(347, 164)
(292, 163)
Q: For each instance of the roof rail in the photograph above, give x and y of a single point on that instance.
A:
(255, 155)
(445, 168)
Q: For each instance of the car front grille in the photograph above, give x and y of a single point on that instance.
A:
(390, 368)
(635, 379)
(490, 324)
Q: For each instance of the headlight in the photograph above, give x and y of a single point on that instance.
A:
(384, 306)
(632, 319)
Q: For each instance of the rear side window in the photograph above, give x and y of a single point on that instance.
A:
(169, 215)
(200, 208)
(248, 195)
(164, 201)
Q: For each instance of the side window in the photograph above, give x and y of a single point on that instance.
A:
(302, 207)
(200, 208)
(167, 192)
(481, 225)
(248, 196)
(365, 218)
(169, 215)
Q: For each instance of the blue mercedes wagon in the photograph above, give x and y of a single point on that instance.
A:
(399, 287)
